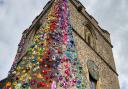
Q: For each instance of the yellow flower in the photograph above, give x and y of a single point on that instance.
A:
(14, 83)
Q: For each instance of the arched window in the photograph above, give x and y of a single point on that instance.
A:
(93, 73)
(90, 36)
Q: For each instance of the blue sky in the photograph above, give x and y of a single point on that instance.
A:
(17, 15)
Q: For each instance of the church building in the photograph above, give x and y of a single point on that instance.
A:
(64, 48)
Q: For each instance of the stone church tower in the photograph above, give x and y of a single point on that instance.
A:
(64, 48)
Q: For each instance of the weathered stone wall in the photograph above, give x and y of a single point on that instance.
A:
(108, 78)
(102, 47)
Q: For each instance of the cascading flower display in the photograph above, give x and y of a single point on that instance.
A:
(52, 61)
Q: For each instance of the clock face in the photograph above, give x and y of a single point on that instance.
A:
(93, 69)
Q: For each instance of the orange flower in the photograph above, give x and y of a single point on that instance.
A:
(8, 84)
